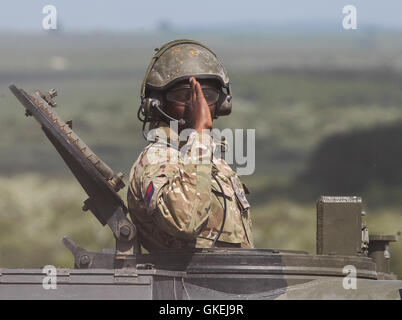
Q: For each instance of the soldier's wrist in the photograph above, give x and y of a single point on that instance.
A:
(201, 146)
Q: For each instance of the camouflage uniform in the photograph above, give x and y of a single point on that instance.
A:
(176, 203)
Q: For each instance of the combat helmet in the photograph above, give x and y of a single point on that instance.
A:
(176, 61)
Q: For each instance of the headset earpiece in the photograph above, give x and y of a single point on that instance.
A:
(224, 105)
(146, 109)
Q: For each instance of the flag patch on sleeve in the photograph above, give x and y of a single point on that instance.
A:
(149, 193)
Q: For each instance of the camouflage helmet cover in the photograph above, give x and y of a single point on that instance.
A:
(179, 60)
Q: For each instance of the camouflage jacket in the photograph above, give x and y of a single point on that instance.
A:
(174, 200)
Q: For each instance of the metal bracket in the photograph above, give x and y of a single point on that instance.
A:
(48, 97)
(125, 233)
(84, 259)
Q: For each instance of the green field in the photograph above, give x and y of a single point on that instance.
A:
(295, 90)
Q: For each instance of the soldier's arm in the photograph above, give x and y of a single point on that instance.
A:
(179, 194)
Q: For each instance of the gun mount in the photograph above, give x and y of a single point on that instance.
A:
(97, 179)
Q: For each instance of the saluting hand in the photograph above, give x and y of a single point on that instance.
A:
(200, 113)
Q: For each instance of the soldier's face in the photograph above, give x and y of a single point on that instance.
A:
(181, 109)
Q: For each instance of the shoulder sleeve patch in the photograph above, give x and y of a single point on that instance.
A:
(149, 193)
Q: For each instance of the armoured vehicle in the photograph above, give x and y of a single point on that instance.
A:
(349, 263)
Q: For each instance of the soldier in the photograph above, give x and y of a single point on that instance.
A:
(180, 195)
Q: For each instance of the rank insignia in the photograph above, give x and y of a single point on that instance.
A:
(240, 194)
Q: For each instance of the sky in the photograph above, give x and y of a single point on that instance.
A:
(126, 15)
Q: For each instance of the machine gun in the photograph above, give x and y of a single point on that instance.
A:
(97, 179)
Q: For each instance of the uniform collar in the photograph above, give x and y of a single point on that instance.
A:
(169, 135)
(163, 133)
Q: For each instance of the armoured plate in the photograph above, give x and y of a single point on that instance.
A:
(209, 274)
